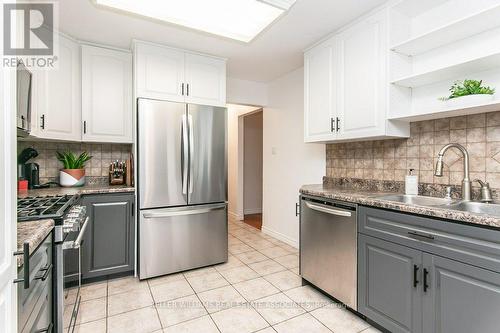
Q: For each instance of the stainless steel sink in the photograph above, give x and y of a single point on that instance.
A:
(417, 200)
(476, 207)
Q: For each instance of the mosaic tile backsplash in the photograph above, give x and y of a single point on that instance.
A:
(391, 159)
(96, 169)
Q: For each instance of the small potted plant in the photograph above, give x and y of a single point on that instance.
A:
(469, 92)
(73, 172)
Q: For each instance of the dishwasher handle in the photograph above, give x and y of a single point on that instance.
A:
(327, 210)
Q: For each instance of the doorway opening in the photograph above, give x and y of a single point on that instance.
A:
(245, 139)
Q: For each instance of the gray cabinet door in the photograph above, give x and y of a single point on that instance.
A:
(461, 298)
(108, 246)
(388, 291)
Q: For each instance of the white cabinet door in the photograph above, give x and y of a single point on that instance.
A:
(57, 96)
(8, 226)
(159, 72)
(319, 93)
(205, 80)
(361, 102)
(106, 95)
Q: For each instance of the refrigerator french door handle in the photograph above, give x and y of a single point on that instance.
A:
(185, 154)
(191, 153)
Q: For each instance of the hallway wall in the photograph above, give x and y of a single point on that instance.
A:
(252, 163)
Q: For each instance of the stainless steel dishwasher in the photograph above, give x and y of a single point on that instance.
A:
(328, 247)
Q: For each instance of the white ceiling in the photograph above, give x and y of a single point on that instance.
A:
(275, 52)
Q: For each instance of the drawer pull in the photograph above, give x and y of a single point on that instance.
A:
(26, 265)
(415, 274)
(426, 285)
(419, 236)
(47, 269)
(47, 330)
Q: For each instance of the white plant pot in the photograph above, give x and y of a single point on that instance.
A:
(470, 100)
(72, 177)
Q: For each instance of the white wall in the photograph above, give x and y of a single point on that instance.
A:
(246, 92)
(252, 163)
(288, 161)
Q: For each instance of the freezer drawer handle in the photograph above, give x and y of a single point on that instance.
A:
(182, 212)
(328, 210)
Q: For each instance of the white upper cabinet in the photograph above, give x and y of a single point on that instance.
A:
(362, 87)
(346, 85)
(205, 80)
(106, 95)
(56, 96)
(159, 72)
(180, 76)
(319, 93)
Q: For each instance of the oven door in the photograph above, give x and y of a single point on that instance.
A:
(72, 279)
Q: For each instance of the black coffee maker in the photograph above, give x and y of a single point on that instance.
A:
(32, 175)
(29, 171)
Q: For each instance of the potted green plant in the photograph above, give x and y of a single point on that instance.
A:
(469, 92)
(73, 172)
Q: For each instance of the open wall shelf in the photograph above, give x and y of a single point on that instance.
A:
(450, 112)
(471, 25)
(450, 72)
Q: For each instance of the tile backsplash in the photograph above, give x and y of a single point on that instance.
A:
(97, 167)
(391, 159)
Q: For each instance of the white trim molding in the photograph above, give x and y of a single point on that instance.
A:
(236, 216)
(281, 237)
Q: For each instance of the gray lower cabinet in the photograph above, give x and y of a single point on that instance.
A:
(108, 246)
(388, 292)
(461, 298)
(405, 284)
(34, 304)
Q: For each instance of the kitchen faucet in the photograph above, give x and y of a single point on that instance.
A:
(466, 183)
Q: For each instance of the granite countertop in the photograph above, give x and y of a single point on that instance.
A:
(88, 189)
(33, 232)
(368, 198)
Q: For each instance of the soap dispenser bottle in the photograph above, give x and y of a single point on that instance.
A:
(411, 183)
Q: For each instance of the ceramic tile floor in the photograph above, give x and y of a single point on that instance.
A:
(257, 290)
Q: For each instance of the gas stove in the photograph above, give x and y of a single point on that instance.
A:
(70, 221)
(44, 207)
(63, 209)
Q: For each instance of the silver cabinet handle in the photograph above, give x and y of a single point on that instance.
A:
(191, 153)
(328, 210)
(78, 241)
(185, 154)
(182, 212)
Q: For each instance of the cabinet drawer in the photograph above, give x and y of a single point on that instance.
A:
(470, 244)
(41, 318)
(28, 298)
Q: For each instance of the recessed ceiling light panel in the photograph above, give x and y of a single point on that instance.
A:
(236, 19)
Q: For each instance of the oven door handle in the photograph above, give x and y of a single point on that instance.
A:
(78, 241)
(328, 210)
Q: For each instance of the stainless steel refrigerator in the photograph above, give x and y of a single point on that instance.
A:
(182, 181)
